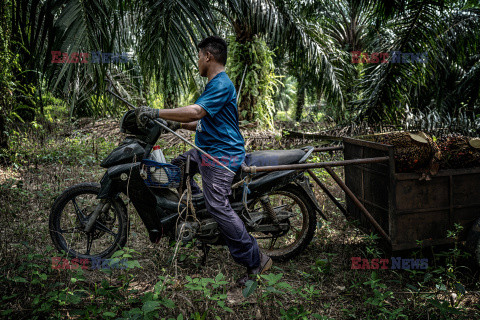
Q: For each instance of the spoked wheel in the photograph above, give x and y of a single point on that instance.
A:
(68, 218)
(301, 222)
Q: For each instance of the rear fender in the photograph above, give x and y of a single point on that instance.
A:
(272, 181)
(279, 179)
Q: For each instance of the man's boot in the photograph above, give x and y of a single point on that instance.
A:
(265, 264)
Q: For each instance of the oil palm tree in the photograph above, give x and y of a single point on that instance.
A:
(173, 42)
(315, 35)
(448, 78)
(350, 25)
(162, 35)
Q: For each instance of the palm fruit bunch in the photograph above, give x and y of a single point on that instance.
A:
(459, 151)
(412, 151)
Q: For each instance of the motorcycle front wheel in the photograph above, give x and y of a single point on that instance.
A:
(69, 214)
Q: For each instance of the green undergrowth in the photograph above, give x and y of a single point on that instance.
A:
(79, 149)
(47, 293)
(319, 284)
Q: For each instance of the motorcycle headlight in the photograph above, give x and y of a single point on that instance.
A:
(129, 125)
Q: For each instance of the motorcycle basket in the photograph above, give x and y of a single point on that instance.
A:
(160, 175)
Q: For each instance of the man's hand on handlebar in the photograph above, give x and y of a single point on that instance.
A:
(144, 113)
(173, 125)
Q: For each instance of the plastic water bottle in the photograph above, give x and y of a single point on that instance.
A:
(157, 155)
(158, 175)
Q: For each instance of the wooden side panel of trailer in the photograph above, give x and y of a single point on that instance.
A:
(410, 209)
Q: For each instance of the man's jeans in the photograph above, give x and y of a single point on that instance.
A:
(217, 186)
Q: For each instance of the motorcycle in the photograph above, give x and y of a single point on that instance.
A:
(90, 220)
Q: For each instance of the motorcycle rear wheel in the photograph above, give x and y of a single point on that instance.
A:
(287, 245)
(108, 234)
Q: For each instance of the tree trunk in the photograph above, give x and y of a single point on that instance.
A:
(243, 34)
(171, 100)
(245, 107)
(300, 100)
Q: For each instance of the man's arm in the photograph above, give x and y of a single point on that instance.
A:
(192, 126)
(186, 115)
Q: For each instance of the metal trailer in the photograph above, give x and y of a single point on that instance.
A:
(408, 209)
(400, 207)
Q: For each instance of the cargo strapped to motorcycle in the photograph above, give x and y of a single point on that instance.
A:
(160, 175)
(193, 146)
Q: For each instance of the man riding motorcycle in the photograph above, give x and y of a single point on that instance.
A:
(214, 117)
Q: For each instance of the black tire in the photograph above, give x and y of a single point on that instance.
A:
(309, 223)
(104, 243)
(473, 241)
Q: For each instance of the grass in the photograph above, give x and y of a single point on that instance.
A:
(319, 284)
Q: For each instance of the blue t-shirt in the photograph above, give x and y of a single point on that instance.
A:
(218, 133)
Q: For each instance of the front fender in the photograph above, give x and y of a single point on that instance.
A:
(105, 187)
(113, 180)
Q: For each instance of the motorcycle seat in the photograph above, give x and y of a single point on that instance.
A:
(269, 158)
(259, 158)
(273, 157)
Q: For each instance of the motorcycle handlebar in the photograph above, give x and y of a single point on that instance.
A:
(153, 122)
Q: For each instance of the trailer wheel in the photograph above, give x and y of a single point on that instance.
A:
(473, 241)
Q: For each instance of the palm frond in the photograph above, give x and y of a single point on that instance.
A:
(170, 33)
(386, 86)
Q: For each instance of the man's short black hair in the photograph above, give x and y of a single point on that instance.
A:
(216, 46)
